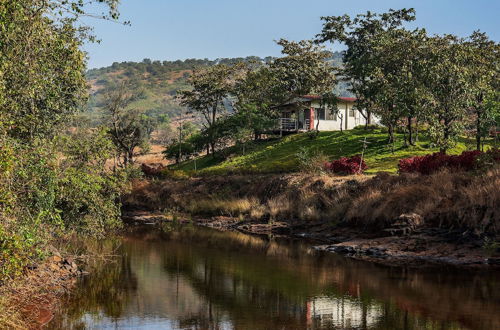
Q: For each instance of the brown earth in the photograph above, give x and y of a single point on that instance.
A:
(30, 302)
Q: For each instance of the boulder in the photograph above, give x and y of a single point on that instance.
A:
(406, 224)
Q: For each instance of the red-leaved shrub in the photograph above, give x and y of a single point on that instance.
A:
(431, 163)
(347, 165)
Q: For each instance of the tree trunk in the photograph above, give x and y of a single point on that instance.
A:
(391, 133)
(410, 132)
(131, 156)
(478, 131)
(446, 136)
(416, 130)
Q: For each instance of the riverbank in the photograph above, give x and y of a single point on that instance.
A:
(450, 218)
(29, 302)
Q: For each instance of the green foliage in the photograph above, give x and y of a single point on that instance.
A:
(190, 146)
(303, 70)
(88, 194)
(41, 84)
(210, 87)
(128, 128)
(407, 76)
(15, 252)
(49, 182)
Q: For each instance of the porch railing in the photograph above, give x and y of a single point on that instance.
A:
(288, 124)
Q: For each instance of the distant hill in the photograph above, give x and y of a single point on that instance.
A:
(156, 83)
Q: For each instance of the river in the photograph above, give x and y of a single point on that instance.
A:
(187, 277)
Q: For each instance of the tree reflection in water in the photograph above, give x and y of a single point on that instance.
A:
(198, 278)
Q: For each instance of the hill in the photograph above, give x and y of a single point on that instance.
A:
(284, 155)
(156, 83)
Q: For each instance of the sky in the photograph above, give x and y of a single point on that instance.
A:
(180, 29)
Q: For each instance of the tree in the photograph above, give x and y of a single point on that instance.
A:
(210, 88)
(484, 70)
(397, 81)
(303, 70)
(448, 79)
(256, 94)
(359, 34)
(128, 128)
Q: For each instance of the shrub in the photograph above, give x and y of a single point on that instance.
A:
(311, 161)
(347, 165)
(431, 163)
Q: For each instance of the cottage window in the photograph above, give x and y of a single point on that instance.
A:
(351, 112)
(319, 113)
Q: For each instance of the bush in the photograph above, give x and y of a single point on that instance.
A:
(347, 165)
(311, 162)
(466, 161)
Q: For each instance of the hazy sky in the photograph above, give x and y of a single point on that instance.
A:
(180, 29)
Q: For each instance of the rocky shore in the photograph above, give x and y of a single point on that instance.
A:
(420, 247)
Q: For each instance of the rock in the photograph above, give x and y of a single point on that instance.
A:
(55, 259)
(341, 249)
(375, 252)
(493, 261)
(406, 224)
(54, 267)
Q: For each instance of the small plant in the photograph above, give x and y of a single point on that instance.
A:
(491, 246)
(311, 162)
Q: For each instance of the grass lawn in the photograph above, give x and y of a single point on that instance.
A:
(280, 155)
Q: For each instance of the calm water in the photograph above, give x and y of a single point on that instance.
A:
(197, 278)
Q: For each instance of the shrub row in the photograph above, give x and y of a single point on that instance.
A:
(467, 160)
(347, 165)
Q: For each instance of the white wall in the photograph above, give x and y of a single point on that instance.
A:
(348, 122)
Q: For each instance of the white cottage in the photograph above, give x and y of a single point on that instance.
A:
(308, 112)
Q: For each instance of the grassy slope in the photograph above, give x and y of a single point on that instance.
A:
(281, 155)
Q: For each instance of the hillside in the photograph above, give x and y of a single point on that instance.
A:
(156, 83)
(283, 155)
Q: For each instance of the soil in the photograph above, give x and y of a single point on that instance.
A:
(420, 247)
(36, 296)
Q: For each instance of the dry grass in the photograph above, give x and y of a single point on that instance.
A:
(218, 206)
(452, 200)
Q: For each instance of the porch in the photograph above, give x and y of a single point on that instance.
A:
(293, 125)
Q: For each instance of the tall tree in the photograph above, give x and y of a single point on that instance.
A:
(484, 70)
(210, 88)
(358, 35)
(303, 70)
(398, 84)
(448, 78)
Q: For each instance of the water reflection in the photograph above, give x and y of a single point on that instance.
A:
(196, 278)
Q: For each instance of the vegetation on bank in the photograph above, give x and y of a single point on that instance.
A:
(52, 175)
(293, 152)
